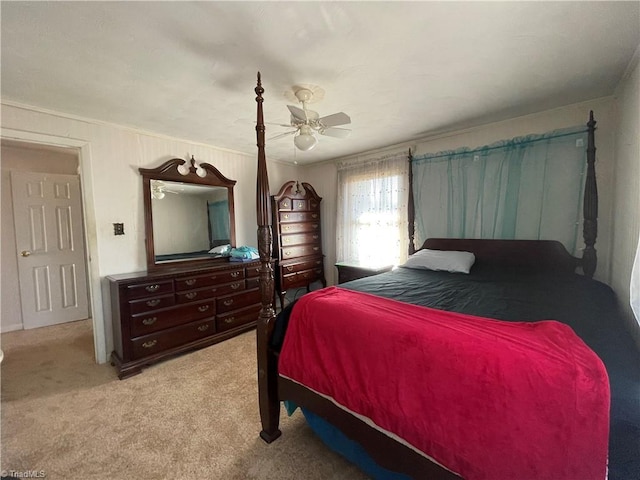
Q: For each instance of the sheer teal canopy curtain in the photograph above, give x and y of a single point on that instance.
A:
(371, 222)
(524, 188)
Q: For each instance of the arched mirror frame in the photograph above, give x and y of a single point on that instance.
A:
(170, 171)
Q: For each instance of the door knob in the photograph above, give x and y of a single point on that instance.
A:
(25, 253)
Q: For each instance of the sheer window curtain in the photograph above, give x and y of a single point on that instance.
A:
(371, 221)
(525, 188)
(635, 285)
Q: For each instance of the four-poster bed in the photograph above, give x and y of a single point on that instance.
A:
(501, 264)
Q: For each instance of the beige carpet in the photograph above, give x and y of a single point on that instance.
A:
(191, 417)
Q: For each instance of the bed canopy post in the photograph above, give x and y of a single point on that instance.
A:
(590, 206)
(267, 363)
(411, 213)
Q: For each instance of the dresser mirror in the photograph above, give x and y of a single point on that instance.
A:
(189, 215)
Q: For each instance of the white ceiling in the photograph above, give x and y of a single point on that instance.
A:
(401, 70)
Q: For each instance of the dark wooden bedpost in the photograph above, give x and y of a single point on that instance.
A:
(590, 207)
(267, 362)
(411, 213)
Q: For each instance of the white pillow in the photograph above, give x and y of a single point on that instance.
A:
(448, 261)
(221, 250)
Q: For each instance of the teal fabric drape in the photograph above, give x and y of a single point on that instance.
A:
(218, 222)
(524, 188)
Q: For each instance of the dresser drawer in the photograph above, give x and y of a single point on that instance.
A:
(287, 228)
(212, 278)
(209, 292)
(299, 205)
(169, 317)
(139, 290)
(301, 279)
(150, 304)
(253, 272)
(301, 239)
(284, 204)
(236, 318)
(300, 251)
(232, 302)
(173, 337)
(299, 217)
(292, 267)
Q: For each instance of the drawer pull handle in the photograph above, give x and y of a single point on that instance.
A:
(287, 227)
(235, 286)
(149, 344)
(203, 308)
(191, 281)
(191, 295)
(315, 237)
(203, 328)
(286, 217)
(318, 262)
(150, 321)
(152, 288)
(285, 204)
(290, 268)
(316, 249)
(318, 271)
(228, 302)
(229, 319)
(315, 225)
(153, 303)
(235, 274)
(300, 205)
(314, 215)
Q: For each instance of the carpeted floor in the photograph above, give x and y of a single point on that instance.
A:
(191, 417)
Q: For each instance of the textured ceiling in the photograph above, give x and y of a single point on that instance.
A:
(401, 70)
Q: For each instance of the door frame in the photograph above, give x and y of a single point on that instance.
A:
(89, 225)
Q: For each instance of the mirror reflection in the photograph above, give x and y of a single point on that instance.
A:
(189, 221)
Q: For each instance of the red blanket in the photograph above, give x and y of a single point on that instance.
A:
(487, 399)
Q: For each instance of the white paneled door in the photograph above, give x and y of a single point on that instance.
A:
(47, 212)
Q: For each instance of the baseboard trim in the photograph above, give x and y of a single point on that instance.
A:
(11, 328)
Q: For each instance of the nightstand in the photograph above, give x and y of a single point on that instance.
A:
(348, 271)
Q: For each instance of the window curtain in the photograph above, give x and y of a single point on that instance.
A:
(525, 188)
(635, 285)
(372, 211)
(218, 222)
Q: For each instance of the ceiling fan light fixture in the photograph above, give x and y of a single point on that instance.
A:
(305, 141)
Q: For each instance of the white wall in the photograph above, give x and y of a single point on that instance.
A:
(26, 160)
(324, 176)
(626, 206)
(110, 156)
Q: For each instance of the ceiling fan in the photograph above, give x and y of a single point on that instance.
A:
(159, 188)
(307, 122)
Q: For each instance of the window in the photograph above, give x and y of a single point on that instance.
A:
(372, 211)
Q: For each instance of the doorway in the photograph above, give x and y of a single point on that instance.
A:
(44, 270)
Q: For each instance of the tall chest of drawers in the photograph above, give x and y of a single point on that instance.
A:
(297, 239)
(156, 316)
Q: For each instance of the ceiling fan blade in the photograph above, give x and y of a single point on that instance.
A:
(278, 124)
(335, 132)
(297, 113)
(282, 135)
(335, 120)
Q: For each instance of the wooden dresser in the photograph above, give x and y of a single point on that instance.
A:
(297, 240)
(157, 315)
